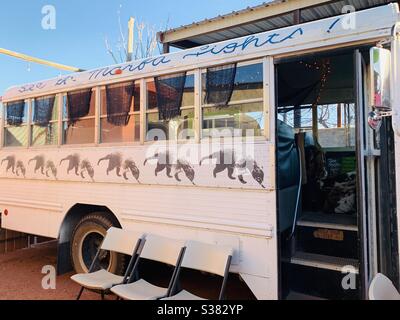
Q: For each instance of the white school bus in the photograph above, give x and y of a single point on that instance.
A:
(279, 144)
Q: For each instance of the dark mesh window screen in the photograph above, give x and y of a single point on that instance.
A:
(78, 105)
(43, 111)
(220, 83)
(119, 102)
(15, 113)
(169, 91)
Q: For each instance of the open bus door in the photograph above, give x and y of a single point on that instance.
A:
(323, 242)
(376, 181)
(366, 196)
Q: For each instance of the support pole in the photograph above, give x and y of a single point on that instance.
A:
(166, 48)
(339, 115)
(131, 26)
(39, 61)
(315, 121)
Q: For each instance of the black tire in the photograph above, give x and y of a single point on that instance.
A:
(86, 238)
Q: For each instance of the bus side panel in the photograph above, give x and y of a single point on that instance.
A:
(156, 164)
(244, 220)
(233, 205)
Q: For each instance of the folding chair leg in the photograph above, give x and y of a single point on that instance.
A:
(80, 293)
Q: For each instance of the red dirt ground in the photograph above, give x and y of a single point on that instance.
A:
(21, 279)
(21, 276)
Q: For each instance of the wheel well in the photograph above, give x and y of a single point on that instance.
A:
(73, 216)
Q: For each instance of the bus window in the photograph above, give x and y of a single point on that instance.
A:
(44, 128)
(244, 111)
(16, 128)
(336, 122)
(178, 128)
(82, 130)
(127, 127)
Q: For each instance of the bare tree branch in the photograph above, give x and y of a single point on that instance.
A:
(123, 41)
(109, 49)
(145, 42)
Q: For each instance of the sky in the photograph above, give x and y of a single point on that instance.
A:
(81, 27)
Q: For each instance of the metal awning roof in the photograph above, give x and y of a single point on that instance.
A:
(267, 16)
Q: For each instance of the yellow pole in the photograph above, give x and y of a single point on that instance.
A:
(131, 26)
(39, 61)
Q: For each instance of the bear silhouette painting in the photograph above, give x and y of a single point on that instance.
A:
(20, 169)
(164, 162)
(51, 168)
(73, 163)
(129, 166)
(86, 167)
(11, 162)
(226, 161)
(114, 163)
(39, 164)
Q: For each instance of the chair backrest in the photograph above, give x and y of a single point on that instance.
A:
(121, 241)
(162, 249)
(204, 257)
(382, 288)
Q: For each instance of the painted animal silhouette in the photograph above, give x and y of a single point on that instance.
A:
(114, 163)
(51, 168)
(164, 163)
(129, 166)
(226, 161)
(40, 163)
(73, 163)
(11, 162)
(182, 165)
(86, 167)
(251, 166)
(20, 170)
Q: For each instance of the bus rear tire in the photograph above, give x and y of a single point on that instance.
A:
(86, 239)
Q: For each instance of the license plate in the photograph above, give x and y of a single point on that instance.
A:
(334, 235)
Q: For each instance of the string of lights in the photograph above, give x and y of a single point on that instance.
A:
(323, 65)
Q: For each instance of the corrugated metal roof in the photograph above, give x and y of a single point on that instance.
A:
(324, 10)
(240, 31)
(228, 15)
(333, 9)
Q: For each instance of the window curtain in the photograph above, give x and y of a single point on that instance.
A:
(78, 105)
(119, 102)
(169, 92)
(15, 113)
(220, 83)
(43, 111)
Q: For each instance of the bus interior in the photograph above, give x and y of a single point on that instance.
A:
(317, 175)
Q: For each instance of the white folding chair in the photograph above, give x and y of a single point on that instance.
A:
(158, 249)
(382, 288)
(207, 258)
(116, 240)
